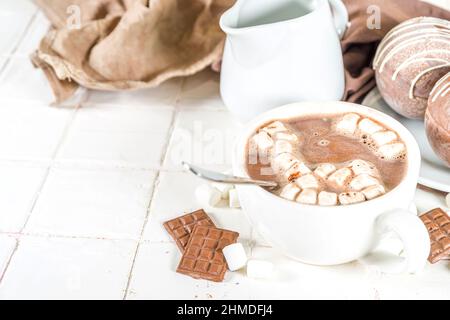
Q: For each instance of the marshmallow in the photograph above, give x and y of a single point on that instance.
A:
(274, 127)
(233, 201)
(206, 194)
(327, 198)
(286, 137)
(374, 192)
(224, 189)
(282, 146)
(384, 137)
(259, 269)
(235, 256)
(290, 192)
(308, 181)
(299, 169)
(348, 124)
(291, 137)
(308, 196)
(351, 198)
(364, 167)
(392, 151)
(369, 127)
(340, 177)
(324, 170)
(283, 162)
(363, 181)
(447, 200)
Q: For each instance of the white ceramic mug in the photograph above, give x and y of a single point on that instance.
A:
(335, 235)
(281, 51)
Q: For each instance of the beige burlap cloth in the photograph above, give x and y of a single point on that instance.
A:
(133, 44)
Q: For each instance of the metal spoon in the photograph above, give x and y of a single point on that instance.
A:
(223, 178)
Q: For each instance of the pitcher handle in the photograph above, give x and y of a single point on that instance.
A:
(414, 236)
(340, 15)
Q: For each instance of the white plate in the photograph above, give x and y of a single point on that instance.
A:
(433, 172)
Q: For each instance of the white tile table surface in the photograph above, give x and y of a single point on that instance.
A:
(84, 190)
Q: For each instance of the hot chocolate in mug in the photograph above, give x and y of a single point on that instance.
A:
(281, 51)
(334, 235)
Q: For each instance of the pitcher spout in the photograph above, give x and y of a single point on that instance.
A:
(229, 19)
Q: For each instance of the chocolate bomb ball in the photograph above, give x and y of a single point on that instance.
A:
(409, 61)
(437, 119)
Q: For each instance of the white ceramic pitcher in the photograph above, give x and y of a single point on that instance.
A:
(281, 51)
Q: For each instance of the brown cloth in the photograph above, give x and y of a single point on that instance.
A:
(133, 44)
(128, 44)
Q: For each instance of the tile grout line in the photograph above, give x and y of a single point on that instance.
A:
(42, 184)
(19, 234)
(51, 164)
(155, 184)
(22, 37)
(83, 165)
(2, 275)
(2, 69)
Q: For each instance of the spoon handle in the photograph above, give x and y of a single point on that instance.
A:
(223, 178)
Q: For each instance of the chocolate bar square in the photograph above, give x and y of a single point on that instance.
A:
(203, 257)
(437, 223)
(181, 228)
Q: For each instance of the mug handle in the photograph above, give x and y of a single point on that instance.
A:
(414, 236)
(340, 15)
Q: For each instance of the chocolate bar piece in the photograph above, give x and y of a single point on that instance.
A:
(438, 226)
(181, 228)
(203, 257)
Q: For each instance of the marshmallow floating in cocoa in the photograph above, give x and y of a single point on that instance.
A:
(328, 198)
(351, 198)
(283, 162)
(363, 167)
(333, 184)
(363, 181)
(275, 128)
(359, 182)
(340, 178)
(308, 181)
(308, 196)
(374, 191)
(324, 170)
(296, 171)
(369, 127)
(348, 124)
(386, 143)
(282, 146)
(290, 191)
(384, 137)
